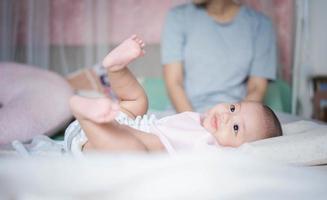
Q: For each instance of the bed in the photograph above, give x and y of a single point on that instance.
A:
(201, 175)
(289, 167)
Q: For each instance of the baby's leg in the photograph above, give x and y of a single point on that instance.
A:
(115, 137)
(96, 117)
(133, 99)
(110, 137)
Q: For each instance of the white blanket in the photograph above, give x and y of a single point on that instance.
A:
(227, 174)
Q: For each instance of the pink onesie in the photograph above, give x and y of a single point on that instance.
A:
(182, 132)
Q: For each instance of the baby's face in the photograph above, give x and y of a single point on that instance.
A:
(235, 124)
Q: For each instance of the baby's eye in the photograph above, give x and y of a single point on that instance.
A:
(232, 108)
(235, 128)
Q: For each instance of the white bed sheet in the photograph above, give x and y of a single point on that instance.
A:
(227, 174)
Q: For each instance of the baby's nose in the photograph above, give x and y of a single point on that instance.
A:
(224, 117)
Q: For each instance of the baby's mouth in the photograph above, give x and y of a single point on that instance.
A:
(201, 119)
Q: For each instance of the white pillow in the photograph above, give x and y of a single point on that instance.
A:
(303, 143)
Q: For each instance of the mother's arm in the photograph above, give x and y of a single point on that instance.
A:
(174, 78)
(256, 88)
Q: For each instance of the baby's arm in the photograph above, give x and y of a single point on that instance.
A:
(132, 97)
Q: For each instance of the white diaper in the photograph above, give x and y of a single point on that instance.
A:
(75, 137)
(142, 123)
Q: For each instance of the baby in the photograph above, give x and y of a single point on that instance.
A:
(103, 124)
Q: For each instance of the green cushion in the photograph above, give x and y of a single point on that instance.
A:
(156, 91)
(279, 96)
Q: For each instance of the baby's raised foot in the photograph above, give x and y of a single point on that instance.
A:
(99, 110)
(123, 54)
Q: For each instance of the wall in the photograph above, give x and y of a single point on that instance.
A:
(318, 36)
(70, 20)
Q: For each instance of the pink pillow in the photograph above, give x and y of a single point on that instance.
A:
(33, 101)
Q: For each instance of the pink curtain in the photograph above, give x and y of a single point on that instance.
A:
(282, 14)
(143, 17)
(67, 21)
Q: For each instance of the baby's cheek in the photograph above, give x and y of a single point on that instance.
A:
(224, 138)
(238, 143)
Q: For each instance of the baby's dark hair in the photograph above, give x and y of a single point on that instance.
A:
(274, 127)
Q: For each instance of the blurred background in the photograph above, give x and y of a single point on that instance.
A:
(68, 36)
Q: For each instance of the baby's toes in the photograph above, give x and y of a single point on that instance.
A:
(139, 41)
(133, 37)
(136, 39)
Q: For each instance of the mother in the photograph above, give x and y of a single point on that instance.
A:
(216, 51)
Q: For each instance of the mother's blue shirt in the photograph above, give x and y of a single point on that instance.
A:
(218, 57)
